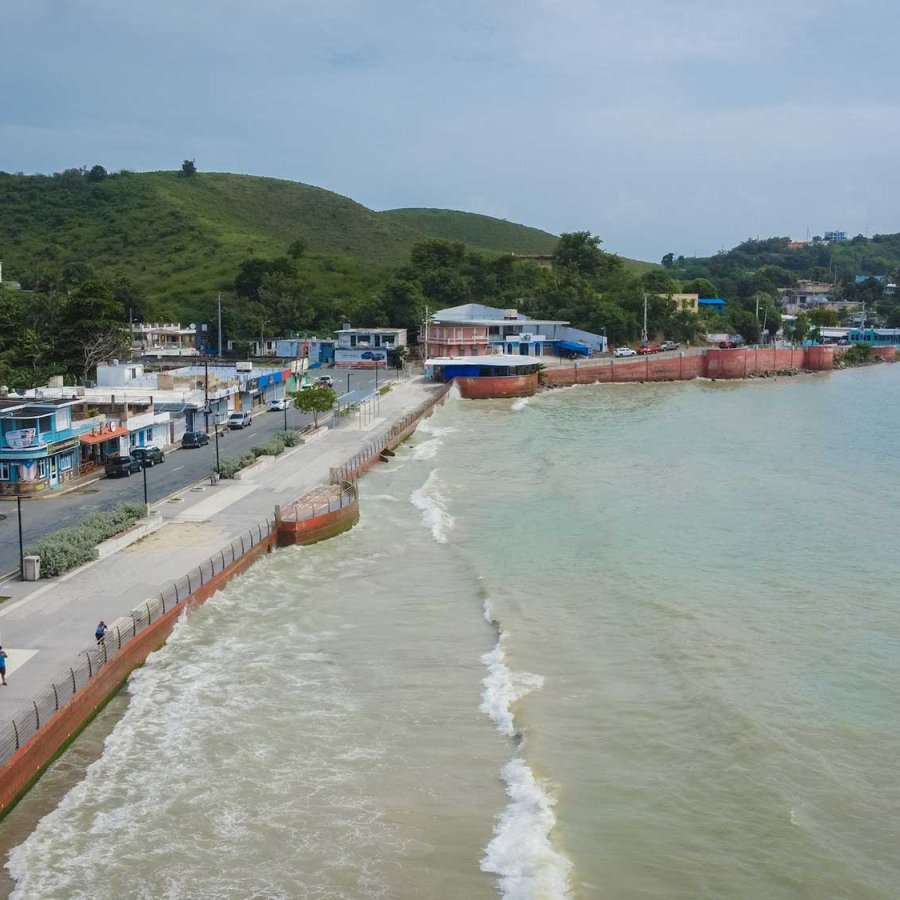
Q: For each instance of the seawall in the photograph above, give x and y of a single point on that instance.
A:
(711, 363)
(39, 733)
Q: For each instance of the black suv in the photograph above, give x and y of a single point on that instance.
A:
(121, 465)
(149, 456)
(194, 439)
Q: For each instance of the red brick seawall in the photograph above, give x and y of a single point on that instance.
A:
(23, 768)
(712, 363)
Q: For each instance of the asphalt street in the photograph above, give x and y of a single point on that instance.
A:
(180, 469)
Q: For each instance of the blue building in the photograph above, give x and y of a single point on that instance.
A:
(40, 445)
(875, 337)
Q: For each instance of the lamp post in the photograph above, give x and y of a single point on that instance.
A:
(376, 374)
(216, 432)
(348, 382)
(21, 548)
(285, 409)
(144, 470)
(206, 390)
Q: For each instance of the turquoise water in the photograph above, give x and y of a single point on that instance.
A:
(630, 641)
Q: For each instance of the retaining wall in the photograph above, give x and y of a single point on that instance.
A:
(21, 769)
(501, 386)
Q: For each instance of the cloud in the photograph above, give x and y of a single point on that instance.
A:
(651, 123)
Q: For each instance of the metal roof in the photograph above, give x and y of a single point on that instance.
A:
(498, 359)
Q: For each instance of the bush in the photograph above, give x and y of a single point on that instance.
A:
(385, 389)
(71, 547)
(229, 466)
(858, 353)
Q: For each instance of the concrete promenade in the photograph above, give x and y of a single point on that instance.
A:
(44, 625)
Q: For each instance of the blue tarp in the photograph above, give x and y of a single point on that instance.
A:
(575, 347)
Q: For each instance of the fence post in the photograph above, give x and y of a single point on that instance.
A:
(87, 653)
(118, 638)
(243, 551)
(149, 614)
(74, 686)
(16, 730)
(223, 560)
(56, 696)
(37, 715)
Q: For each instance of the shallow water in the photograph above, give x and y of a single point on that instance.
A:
(622, 641)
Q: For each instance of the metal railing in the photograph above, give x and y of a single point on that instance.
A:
(349, 470)
(324, 500)
(91, 662)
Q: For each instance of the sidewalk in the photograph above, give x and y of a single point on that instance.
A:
(44, 625)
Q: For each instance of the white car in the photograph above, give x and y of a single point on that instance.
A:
(325, 381)
(279, 404)
(239, 420)
(624, 351)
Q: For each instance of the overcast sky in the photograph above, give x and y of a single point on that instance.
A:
(682, 125)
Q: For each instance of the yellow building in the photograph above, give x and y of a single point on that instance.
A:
(686, 301)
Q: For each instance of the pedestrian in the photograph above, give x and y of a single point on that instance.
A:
(3, 667)
(102, 628)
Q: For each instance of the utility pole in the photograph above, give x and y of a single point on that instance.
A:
(206, 391)
(644, 331)
(220, 326)
(21, 549)
(426, 333)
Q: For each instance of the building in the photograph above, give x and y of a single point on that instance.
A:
(541, 260)
(163, 339)
(684, 302)
(477, 330)
(483, 377)
(362, 348)
(805, 295)
(834, 237)
(40, 443)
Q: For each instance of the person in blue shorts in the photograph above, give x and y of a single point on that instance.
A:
(3, 658)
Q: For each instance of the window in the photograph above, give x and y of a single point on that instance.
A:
(43, 468)
(4, 472)
(65, 462)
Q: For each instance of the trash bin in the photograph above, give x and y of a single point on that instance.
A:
(31, 568)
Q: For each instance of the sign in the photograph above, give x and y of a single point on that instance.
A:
(61, 446)
(19, 440)
(360, 358)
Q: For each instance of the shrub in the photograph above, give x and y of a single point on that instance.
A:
(385, 389)
(74, 546)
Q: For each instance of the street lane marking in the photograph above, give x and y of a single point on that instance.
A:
(178, 468)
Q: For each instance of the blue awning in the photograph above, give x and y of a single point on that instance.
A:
(574, 345)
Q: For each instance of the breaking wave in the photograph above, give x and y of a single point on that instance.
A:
(520, 853)
(433, 505)
(519, 404)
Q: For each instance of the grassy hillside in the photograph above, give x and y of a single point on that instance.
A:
(474, 230)
(177, 239)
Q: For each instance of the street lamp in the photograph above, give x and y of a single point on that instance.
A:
(216, 433)
(348, 382)
(144, 470)
(285, 409)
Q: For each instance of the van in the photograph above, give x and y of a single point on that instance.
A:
(239, 420)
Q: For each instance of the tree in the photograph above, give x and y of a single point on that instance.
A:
(97, 173)
(188, 168)
(801, 327)
(316, 399)
(825, 317)
(702, 286)
(296, 248)
(744, 323)
(579, 253)
(668, 260)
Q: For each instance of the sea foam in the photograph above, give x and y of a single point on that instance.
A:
(433, 505)
(519, 404)
(503, 687)
(520, 852)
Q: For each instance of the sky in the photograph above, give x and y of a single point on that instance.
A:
(658, 125)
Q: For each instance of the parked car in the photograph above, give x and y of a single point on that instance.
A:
(121, 465)
(624, 351)
(194, 439)
(279, 404)
(647, 349)
(728, 345)
(668, 345)
(325, 381)
(371, 354)
(148, 456)
(239, 420)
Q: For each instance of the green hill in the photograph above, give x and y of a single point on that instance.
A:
(474, 230)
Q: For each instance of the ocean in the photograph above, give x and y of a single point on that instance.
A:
(624, 641)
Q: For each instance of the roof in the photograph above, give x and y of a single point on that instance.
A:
(375, 329)
(104, 433)
(501, 360)
(479, 314)
(710, 301)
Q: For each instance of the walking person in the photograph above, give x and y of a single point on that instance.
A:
(102, 628)
(3, 658)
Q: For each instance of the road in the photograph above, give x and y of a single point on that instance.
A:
(181, 469)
